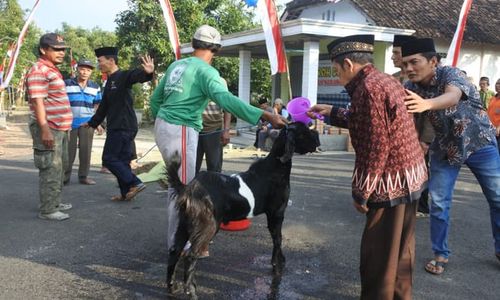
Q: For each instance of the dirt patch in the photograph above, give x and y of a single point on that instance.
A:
(15, 142)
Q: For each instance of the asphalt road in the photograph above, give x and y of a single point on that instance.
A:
(118, 250)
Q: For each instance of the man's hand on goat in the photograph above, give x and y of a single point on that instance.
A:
(361, 208)
(274, 119)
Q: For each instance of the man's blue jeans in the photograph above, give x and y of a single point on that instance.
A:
(485, 164)
(116, 156)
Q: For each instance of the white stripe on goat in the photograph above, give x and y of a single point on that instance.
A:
(246, 192)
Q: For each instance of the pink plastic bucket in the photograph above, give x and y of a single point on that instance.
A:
(297, 108)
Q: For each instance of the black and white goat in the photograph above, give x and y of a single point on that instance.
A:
(213, 198)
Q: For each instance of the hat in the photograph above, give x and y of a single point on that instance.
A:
(352, 43)
(53, 40)
(104, 51)
(400, 39)
(208, 34)
(278, 101)
(85, 62)
(417, 46)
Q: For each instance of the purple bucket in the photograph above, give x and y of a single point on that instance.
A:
(297, 108)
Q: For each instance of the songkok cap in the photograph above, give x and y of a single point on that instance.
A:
(278, 101)
(85, 62)
(400, 39)
(105, 51)
(417, 46)
(208, 34)
(352, 43)
(53, 40)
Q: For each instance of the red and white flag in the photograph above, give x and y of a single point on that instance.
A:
(20, 40)
(456, 43)
(272, 32)
(173, 35)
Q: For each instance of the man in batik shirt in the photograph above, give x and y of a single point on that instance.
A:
(389, 172)
(464, 135)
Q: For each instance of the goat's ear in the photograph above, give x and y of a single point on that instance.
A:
(289, 146)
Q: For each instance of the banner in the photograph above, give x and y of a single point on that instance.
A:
(272, 32)
(173, 35)
(456, 43)
(20, 40)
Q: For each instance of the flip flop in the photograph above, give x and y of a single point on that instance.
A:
(434, 270)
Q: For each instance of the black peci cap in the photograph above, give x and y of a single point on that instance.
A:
(418, 46)
(352, 43)
(400, 39)
(104, 51)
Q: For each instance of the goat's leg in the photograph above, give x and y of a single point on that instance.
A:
(274, 223)
(189, 282)
(181, 238)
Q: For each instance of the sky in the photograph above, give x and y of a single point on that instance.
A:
(80, 13)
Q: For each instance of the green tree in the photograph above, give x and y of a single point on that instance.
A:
(142, 29)
(11, 23)
(82, 43)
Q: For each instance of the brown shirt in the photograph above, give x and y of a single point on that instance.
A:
(390, 167)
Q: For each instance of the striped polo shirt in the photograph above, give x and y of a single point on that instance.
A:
(82, 100)
(45, 81)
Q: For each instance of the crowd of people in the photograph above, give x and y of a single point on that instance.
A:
(411, 134)
(390, 170)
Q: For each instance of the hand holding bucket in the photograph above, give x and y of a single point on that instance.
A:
(298, 108)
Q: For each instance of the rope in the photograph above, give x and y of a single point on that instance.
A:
(201, 134)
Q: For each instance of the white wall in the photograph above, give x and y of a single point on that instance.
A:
(477, 60)
(343, 11)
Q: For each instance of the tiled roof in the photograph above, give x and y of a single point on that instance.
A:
(430, 18)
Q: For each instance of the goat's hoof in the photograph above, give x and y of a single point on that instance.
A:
(192, 295)
(173, 288)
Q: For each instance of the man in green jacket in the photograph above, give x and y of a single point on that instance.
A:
(178, 102)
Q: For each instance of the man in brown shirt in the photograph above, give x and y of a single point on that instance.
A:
(389, 172)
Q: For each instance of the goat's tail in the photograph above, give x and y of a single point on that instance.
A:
(172, 173)
(196, 205)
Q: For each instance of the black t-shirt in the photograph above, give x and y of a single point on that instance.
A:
(117, 104)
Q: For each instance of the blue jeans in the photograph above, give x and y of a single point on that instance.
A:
(116, 156)
(485, 165)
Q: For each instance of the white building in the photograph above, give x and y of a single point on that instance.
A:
(309, 25)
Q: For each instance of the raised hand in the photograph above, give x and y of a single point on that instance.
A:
(148, 64)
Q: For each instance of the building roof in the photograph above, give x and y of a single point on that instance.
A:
(430, 18)
(295, 32)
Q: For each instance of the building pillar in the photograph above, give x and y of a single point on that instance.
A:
(244, 81)
(310, 71)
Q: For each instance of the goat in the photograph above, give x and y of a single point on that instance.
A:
(213, 198)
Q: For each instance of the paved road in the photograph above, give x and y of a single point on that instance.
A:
(117, 250)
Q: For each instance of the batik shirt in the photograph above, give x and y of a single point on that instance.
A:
(390, 167)
(461, 129)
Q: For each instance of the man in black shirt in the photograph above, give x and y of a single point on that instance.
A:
(118, 109)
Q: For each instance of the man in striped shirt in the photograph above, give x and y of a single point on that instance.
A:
(84, 96)
(50, 122)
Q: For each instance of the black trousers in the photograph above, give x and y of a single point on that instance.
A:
(210, 146)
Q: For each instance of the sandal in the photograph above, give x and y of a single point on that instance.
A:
(435, 267)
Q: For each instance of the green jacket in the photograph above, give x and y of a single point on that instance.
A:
(184, 92)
